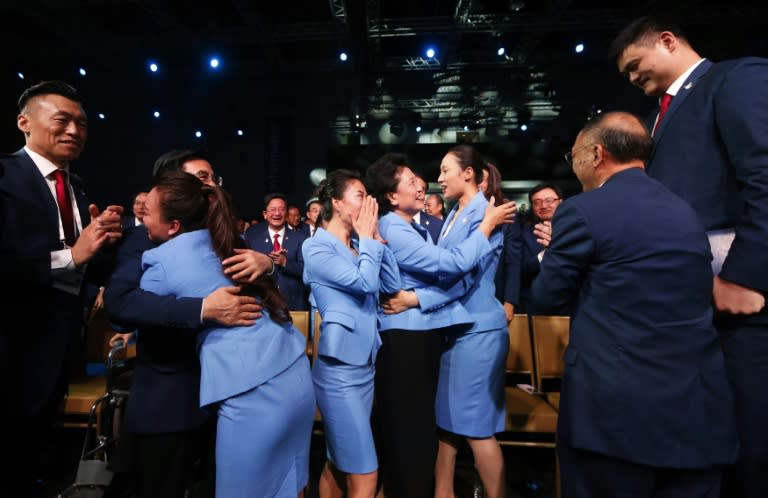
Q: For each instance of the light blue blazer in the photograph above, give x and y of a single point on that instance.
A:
(232, 359)
(477, 290)
(423, 264)
(346, 289)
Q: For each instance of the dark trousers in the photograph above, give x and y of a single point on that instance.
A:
(166, 464)
(746, 363)
(407, 367)
(586, 474)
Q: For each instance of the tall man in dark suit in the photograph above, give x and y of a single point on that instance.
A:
(283, 245)
(645, 404)
(51, 240)
(712, 150)
(164, 422)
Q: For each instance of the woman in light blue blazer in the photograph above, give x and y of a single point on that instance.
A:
(345, 276)
(257, 375)
(408, 363)
(470, 395)
(409, 360)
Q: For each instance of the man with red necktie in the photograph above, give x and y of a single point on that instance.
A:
(51, 240)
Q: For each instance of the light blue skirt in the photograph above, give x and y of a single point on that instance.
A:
(263, 437)
(345, 398)
(470, 391)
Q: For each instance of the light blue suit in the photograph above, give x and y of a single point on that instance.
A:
(259, 375)
(423, 264)
(345, 289)
(470, 394)
(408, 364)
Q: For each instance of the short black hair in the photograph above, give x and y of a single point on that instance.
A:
(173, 160)
(382, 177)
(51, 87)
(275, 195)
(544, 186)
(638, 30)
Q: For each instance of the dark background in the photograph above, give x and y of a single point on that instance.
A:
(283, 85)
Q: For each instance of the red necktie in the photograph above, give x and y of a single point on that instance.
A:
(663, 106)
(65, 207)
(276, 245)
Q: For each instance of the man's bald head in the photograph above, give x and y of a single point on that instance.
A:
(608, 144)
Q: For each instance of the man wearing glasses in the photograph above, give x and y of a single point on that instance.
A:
(544, 199)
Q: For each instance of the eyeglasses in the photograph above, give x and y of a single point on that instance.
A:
(204, 176)
(275, 210)
(545, 202)
(569, 155)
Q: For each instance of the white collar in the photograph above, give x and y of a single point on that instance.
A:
(45, 166)
(678, 83)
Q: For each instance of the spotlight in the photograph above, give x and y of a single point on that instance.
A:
(214, 62)
(430, 52)
(500, 51)
(82, 72)
(20, 75)
(101, 115)
(153, 67)
(198, 134)
(523, 118)
(239, 133)
(343, 56)
(156, 114)
(579, 48)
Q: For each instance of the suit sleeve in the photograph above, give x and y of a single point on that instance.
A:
(415, 255)
(458, 285)
(564, 264)
(328, 268)
(294, 265)
(741, 113)
(128, 305)
(512, 254)
(390, 273)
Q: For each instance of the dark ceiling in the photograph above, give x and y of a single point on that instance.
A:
(286, 52)
(385, 40)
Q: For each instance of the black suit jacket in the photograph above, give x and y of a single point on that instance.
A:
(40, 323)
(433, 224)
(644, 377)
(289, 278)
(711, 149)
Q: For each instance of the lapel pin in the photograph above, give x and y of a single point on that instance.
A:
(689, 85)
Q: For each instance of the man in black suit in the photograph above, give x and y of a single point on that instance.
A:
(283, 245)
(711, 149)
(646, 409)
(164, 423)
(51, 241)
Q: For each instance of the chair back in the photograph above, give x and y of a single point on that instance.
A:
(550, 338)
(520, 369)
(301, 321)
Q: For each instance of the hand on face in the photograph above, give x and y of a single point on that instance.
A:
(367, 220)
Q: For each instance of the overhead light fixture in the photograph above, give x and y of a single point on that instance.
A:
(396, 127)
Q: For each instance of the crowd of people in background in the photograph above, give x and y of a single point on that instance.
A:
(661, 263)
